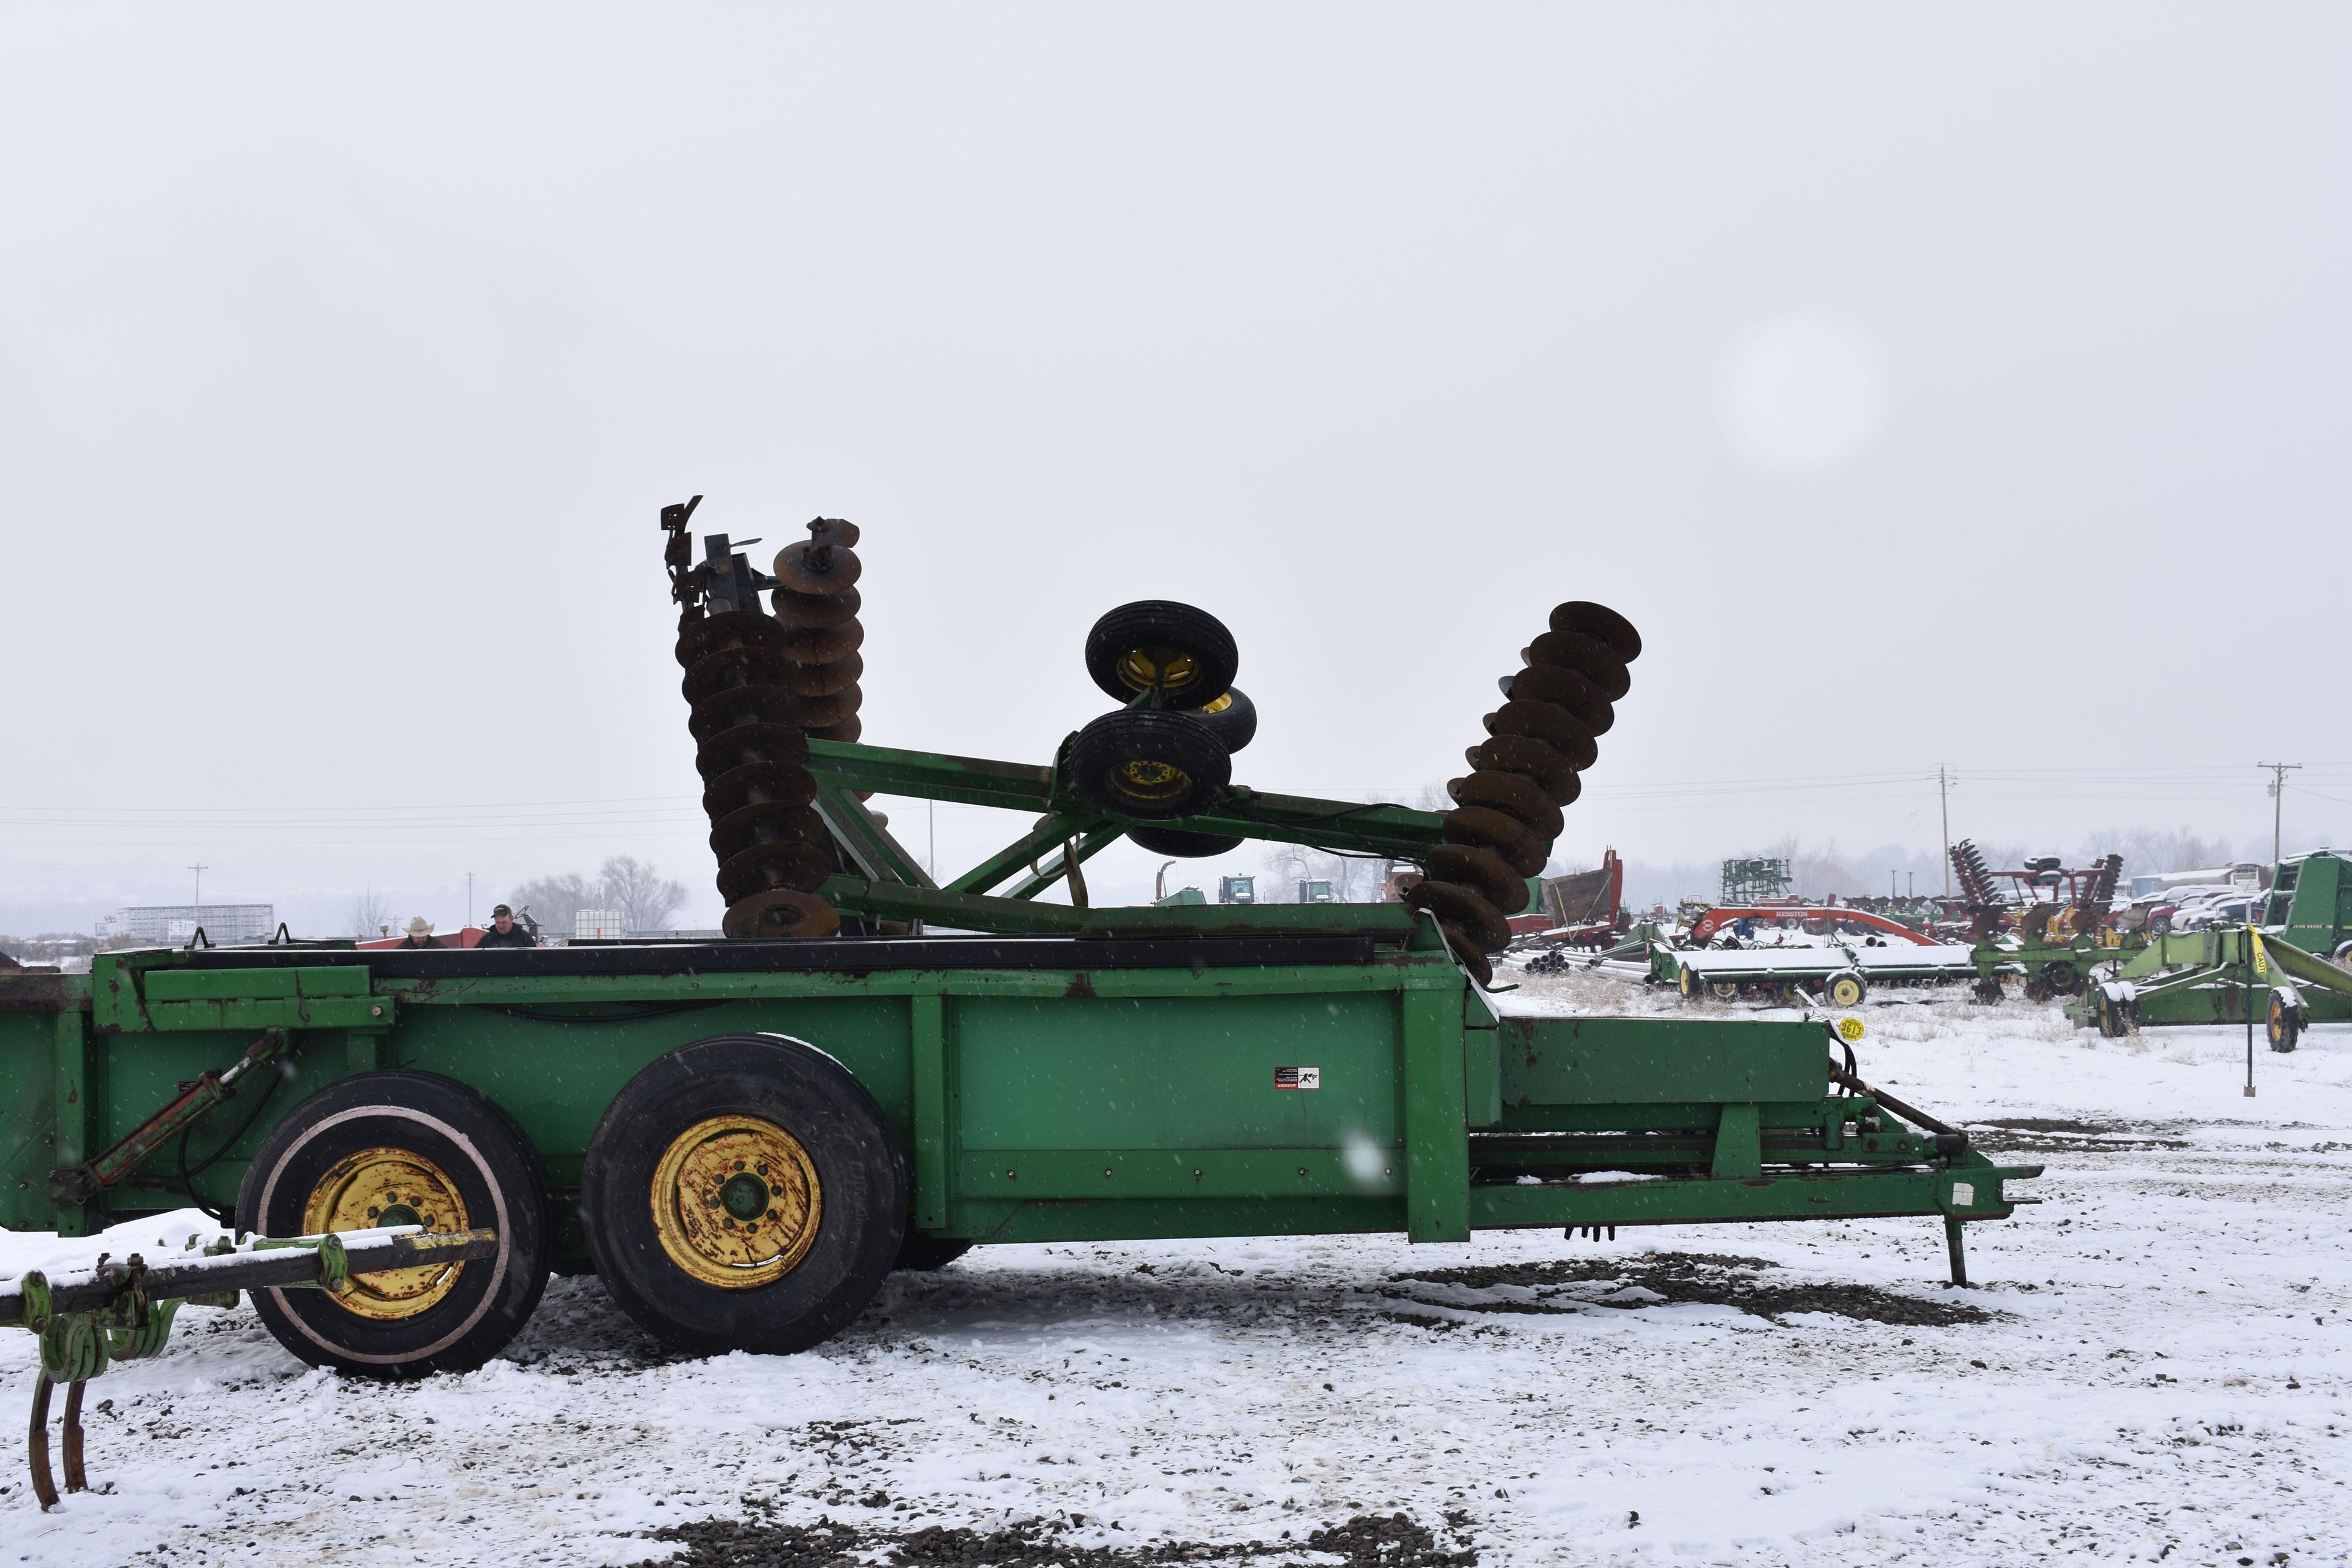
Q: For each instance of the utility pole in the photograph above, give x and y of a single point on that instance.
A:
(2278, 811)
(1944, 783)
(200, 872)
(469, 897)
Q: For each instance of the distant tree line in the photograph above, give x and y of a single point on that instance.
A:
(637, 892)
(628, 887)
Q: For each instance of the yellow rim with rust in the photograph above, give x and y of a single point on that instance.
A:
(387, 1186)
(1154, 777)
(736, 1202)
(1142, 669)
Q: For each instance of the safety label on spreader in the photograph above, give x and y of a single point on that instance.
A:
(1298, 1078)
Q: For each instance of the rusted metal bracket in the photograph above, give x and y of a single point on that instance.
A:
(80, 1183)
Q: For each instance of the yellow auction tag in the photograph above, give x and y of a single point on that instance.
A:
(2261, 959)
(1849, 1030)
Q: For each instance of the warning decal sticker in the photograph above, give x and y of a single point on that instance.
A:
(1298, 1078)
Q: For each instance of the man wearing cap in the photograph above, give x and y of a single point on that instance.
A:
(504, 933)
(420, 933)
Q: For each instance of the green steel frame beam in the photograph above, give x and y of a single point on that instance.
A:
(841, 767)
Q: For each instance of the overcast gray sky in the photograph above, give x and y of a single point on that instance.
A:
(1930, 385)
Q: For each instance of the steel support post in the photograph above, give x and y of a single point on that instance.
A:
(1437, 1116)
(934, 1159)
(77, 1101)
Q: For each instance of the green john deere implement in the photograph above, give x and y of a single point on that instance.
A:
(743, 1137)
(2292, 970)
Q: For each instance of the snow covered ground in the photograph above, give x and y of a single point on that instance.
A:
(2162, 1371)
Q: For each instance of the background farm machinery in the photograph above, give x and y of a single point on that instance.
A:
(2292, 970)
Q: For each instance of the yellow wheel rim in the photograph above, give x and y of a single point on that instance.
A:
(1220, 705)
(736, 1202)
(1157, 777)
(1140, 669)
(387, 1186)
(1846, 993)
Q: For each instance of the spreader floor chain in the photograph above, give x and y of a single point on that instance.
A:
(1507, 811)
(757, 686)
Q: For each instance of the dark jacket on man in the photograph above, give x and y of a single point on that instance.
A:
(519, 936)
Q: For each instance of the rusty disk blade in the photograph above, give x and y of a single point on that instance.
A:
(1591, 658)
(729, 628)
(781, 912)
(1585, 702)
(754, 742)
(1514, 795)
(1603, 625)
(809, 567)
(832, 531)
(741, 829)
(1510, 840)
(821, 715)
(734, 667)
(758, 784)
(742, 707)
(799, 867)
(1482, 870)
(1547, 722)
(849, 730)
(823, 680)
(1465, 908)
(1519, 754)
(822, 644)
(816, 609)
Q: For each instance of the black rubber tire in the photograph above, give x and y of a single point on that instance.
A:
(1165, 633)
(1112, 759)
(1186, 846)
(497, 1174)
(2281, 1025)
(1236, 724)
(860, 1169)
(922, 1253)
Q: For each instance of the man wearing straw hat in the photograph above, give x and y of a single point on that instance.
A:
(420, 933)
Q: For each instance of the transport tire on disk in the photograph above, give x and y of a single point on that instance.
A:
(744, 1193)
(1146, 763)
(1185, 846)
(400, 1147)
(1231, 719)
(1184, 652)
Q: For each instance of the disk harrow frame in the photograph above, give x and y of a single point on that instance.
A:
(1002, 892)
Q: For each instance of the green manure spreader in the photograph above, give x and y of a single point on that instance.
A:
(742, 1137)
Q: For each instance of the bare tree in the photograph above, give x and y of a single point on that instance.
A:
(553, 901)
(646, 899)
(371, 913)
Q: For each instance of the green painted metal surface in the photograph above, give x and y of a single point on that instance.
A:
(1082, 1100)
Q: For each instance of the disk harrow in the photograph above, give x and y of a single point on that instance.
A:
(756, 687)
(1506, 811)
